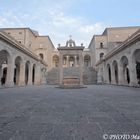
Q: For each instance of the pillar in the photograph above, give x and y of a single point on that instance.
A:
(22, 74)
(99, 76)
(61, 69)
(75, 60)
(120, 75)
(37, 75)
(113, 81)
(132, 72)
(0, 74)
(10, 73)
(30, 74)
(81, 68)
(67, 60)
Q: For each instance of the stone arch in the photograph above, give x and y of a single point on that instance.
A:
(17, 69)
(109, 73)
(87, 60)
(33, 73)
(115, 70)
(27, 67)
(124, 70)
(136, 61)
(4, 61)
(101, 55)
(55, 61)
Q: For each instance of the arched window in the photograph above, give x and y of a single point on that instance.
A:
(101, 45)
(41, 56)
(101, 56)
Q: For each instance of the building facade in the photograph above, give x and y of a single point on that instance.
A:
(111, 58)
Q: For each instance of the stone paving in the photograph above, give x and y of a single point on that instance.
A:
(49, 113)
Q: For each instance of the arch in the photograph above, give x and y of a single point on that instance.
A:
(41, 56)
(55, 60)
(125, 70)
(101, 55)
(87, 61)
(17, 70)
(109, 73)
(27, 66)
(115, 69)
(136, 60)
(4, 61)
(33, 73)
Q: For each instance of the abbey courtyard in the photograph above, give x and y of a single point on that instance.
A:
(69, 91)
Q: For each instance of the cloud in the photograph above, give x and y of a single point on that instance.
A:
(53, 21)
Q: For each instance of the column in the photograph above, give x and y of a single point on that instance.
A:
(30, 74)
(120, 75)
(0, 74)
(132, 72)
(22, 75)
(99, 76)
(113, 81)
(61, 70)
(81, 68)
(67, 60)
(75, 61)
(37, 75)
(10, 73)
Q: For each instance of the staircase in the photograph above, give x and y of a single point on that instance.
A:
(89, 75)
(53, 76)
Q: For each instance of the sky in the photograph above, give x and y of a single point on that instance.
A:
(61, 18)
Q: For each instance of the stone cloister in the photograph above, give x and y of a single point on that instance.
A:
(123, 67)
(18, 65)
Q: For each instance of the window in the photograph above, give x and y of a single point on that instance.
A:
(41, 56)
(20, 33)
(101, 45)
(19, 41)
(9, 33)
(101, 56)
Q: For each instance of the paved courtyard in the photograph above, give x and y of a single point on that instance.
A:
(49, 113)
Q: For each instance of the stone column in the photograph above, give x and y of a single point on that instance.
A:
(30, 74)
(10, 73)
(81, 68)
(61, 70)
(22, 75)
(120, 75)
(99, 76)
(132, 73)
(67, 60)
(113, 81)
(0, 74)
(37, 75)
(75, 61)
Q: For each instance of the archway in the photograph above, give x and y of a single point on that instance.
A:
(87, 61)
(115, 68)
(109, 73)
(55, 60)
(27, 65)
(4, 59)
(136, 57)
(33, 73)
(18, 62)
(125, 70)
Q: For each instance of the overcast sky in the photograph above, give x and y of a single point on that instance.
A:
(61, 18)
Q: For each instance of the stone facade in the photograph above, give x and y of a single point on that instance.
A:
(121, 65)
(18, 64)
(110, 58)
